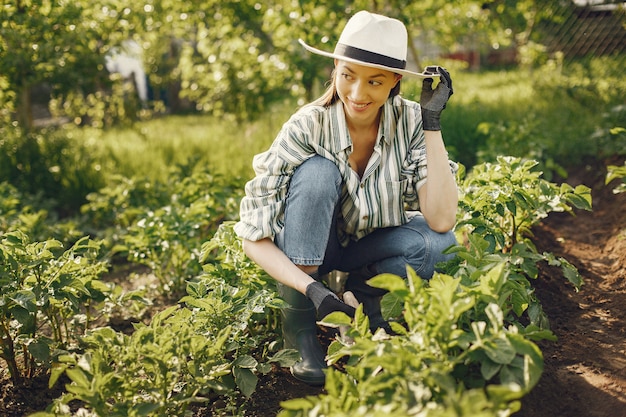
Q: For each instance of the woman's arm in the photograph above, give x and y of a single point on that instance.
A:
(438, 197)
(274, 261)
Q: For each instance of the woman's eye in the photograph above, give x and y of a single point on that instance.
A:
(346, 76)
(375, 83)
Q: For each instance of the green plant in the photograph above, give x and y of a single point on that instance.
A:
(158, 370)
(168, 239)
(48, 298)
(454, 355)
(51, 164)
(31, 215)
(212, 347)
(617, 172)
(463, 345)
(501, 202)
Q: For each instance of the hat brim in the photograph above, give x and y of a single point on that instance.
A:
(367, 64)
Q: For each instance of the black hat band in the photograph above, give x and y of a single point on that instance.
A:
(369, 57)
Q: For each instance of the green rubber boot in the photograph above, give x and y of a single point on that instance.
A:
(300, 333)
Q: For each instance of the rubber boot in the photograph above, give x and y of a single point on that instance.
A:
(300, 333)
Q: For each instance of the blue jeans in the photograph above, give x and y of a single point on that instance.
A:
(309, 236)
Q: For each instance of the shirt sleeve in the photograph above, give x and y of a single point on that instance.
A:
(262, 208)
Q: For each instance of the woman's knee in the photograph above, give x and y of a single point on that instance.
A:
(428, 251)
(317, 176)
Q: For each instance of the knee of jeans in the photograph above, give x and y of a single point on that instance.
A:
(316, 174)
(427, 252)
(443, 242)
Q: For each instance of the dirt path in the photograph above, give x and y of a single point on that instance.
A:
(585, 370)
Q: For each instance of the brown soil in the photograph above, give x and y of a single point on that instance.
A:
(585, 370)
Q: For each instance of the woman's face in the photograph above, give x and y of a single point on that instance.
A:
(363, 90)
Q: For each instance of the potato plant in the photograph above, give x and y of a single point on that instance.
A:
(163, 225)
(48, 298)
(617, 172)
(211, 346)
(445, 360)
(501, 202)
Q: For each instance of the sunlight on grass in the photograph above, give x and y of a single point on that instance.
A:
(149, 148)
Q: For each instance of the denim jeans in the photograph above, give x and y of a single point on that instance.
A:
(309, 236)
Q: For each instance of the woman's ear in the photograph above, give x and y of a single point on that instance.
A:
(397, 79)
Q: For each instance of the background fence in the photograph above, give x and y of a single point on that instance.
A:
(597, 30)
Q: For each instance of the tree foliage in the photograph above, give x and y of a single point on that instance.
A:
(225, 57)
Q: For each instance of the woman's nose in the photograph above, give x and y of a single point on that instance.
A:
(358, 90)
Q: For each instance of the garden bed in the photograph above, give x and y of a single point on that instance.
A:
(585, 370)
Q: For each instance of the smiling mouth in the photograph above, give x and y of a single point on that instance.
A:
(359, 106)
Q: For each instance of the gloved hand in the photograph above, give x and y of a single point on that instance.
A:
(325, 301)
(434, 101)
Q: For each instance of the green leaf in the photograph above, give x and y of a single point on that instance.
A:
(246, 380)
(336, 319)
(40, 350)
(99, 286)
(505, 392)
(581, 197)
(285, 357)
(500, 350)
(79, 378)
(298, 404)
(24, 317)
(26, 300)
(571, 273)
(146, 409)
(391, 305)
(55, 373)
(389, 282)
(245, 361)
(489, 368)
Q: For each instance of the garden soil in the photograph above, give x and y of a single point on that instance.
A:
(585, 369)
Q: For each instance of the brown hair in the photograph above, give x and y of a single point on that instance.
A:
(330, 96)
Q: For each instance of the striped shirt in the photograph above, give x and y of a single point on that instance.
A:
(381, 198)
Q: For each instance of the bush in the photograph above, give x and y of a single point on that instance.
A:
(49, 164)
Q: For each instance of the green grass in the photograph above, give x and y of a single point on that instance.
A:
(150, 148)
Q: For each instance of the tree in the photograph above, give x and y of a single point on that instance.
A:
(229, 57)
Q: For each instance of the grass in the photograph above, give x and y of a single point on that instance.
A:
(149, 148)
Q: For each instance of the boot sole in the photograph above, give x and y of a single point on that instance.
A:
(312, 380)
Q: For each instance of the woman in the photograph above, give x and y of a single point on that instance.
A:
(331, 192)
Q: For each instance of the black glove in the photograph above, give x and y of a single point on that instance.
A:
(434, 101)
(325, 301)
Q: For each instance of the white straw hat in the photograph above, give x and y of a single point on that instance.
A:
(375, 41)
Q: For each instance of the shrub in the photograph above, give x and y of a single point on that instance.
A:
(48, 298)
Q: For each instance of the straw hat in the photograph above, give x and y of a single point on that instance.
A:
(375, 41)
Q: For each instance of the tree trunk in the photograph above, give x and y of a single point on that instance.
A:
(24, 109)
(413, 51)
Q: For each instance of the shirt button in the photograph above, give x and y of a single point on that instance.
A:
(366, 217)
